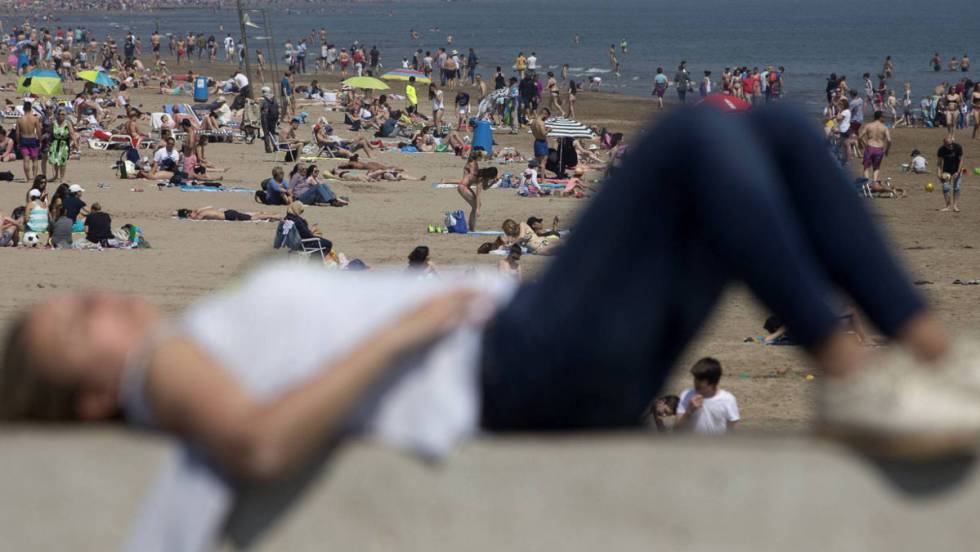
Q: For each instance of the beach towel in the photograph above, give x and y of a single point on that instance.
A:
(485, 233)
(206, 188)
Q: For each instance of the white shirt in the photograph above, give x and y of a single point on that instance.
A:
(715, 413)
(229, 43)
(162, 154)
(532, 62)
(241, 80)
(919, 164)
(844, 121)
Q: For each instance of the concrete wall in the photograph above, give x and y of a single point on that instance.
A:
(78, 490)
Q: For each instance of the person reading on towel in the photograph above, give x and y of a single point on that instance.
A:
(427, 362)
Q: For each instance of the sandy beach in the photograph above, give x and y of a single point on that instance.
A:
(386, 220)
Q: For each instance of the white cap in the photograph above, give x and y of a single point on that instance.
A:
(75, 188)
(35, 193)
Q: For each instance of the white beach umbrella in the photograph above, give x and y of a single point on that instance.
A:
(560, 127)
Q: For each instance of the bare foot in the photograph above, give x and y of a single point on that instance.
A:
(944, 209)
(956, 209)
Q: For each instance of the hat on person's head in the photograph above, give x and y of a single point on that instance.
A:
(75, 188)
(34, 193)
(915, 152)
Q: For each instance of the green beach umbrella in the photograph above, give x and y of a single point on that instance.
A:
(42, 86)
(97, 77)
(367, 83)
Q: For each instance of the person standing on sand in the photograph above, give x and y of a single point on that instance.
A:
(520, 65)
(554, 94)
(948, 168)
(660, 84)
(682, 80)
(540, 132)
(876, 140)
(269, 117)
(29, 130)
(411, 96)
(975, 106)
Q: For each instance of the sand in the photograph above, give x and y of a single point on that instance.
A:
(386, 220)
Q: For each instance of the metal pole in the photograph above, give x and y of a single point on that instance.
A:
(245, 53)
(273, 55)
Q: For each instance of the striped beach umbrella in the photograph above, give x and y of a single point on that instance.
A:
(560, 127)
(405, 74)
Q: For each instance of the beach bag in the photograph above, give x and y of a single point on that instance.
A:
(456, 222)
(6, 176)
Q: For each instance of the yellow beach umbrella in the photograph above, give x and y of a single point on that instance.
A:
(42, 86)
(367, 83)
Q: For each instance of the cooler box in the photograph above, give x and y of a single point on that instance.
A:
(201, 89)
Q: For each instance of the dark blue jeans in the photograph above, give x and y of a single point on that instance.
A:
(704, 200)
(321, 193)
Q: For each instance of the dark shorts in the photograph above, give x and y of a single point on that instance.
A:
(233, 215)
(540, 148)
(156, 48)
(873, 157)
(659, 91)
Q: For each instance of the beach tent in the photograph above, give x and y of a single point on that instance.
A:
(366, 83)
(42, 86)
(405, 74)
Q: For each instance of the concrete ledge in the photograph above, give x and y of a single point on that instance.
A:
(77, 490)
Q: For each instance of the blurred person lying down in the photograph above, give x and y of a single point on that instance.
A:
(254, 380)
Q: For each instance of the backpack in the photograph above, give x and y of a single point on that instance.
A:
(456, 222)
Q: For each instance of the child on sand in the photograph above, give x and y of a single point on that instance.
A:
(706, 408)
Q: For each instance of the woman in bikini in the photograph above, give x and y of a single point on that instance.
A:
(474, 181)
(952, 109)
(975, 103)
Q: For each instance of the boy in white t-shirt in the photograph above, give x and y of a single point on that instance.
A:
(706, 408)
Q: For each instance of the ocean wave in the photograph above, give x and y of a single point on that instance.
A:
(597, 71)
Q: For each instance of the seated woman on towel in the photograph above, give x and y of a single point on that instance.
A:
(310, 191)
(294, 214)
(194, 168)
(216, 213)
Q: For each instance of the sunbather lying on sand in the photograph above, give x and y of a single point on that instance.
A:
(378, 175)
(217, 213)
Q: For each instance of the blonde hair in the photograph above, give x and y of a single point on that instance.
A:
(25, 395)
(295, 208)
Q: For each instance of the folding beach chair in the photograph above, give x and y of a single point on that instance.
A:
(288, 237)
(284, 149)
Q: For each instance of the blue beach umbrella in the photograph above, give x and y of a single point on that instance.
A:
(47, 73)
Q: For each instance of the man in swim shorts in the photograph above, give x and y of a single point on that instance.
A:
(540, 133)
(29, 129)
(877, 140)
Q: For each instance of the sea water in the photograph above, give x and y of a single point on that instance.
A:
(810, 38)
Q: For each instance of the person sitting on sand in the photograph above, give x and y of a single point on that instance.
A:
(166, 161)
(231, 215)
(341, 148)
(521, 234)
(511, 266)
(98, 229)
(6, 147)
(661, 409)
(310, 191)
(194, 169)
(424, 141)
(306, 231)
(420, 263)
(10, 229)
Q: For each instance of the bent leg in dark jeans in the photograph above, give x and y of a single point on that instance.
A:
(321, 193)
(704, 200)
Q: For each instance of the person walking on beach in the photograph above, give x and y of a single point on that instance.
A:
(554, 94)
(975, 108)
(520, 65)
(29, 130)
(948, 168)
(660, 84)
(411, 97)
(682, 80)
(613, 61)
(269, 118)
(876, 140)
